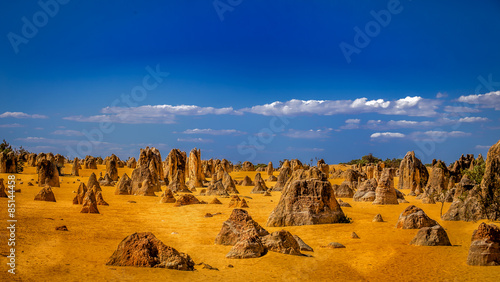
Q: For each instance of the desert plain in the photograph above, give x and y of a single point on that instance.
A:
(382, 252)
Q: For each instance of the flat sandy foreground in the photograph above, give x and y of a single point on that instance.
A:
(382, 253)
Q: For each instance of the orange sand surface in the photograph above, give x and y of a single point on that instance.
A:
(382, 254)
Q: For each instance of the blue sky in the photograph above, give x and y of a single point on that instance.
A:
(251, 80)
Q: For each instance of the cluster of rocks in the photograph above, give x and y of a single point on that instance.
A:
(430, 232)
(89, 198)
(250, 240)
(474, 201)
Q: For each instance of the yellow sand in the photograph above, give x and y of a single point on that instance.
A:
(382, 254)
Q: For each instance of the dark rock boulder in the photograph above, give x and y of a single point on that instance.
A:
(145, 250)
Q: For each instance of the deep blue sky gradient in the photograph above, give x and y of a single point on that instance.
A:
(91, 52)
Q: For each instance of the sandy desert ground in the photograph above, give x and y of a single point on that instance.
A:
(382, 253)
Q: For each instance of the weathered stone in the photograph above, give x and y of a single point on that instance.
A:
(485, 246)
(112, 167)
(186, 199)
(431, 236)
(413, 174)
(131, 162)
(247, 166)
(414, 218)
(75, 170)
(80, 194)
(106, 181)
(195, 173)
(239, 225)
(93, 182)
(378, 218)
(99, 199)
(482, 201)
(303, 246)
(216, 189)
(344, 190)
(45, 194)
(228, 184)
(306, 202)
(8, 162)
(247, 247)
(334, 245)
(215, 201)
(145, 250)
(366, 191)
(176, 171)
(285, 173)
(281, 242)
(47, 174)
(124, 186)
(90, 203)
(247, 181)
(167, 197)
(385, 194)
(260, 185)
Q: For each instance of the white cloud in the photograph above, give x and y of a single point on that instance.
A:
(437, 135)
(488, 100)
(352, 123)
(152, 114)
(195, 140)
(441, 95)
(308, 134)
(483, 147)
(387, 135)
(210, 131)
(473, 119)
(68, 132)
(453, 109)
(12, 125)
(412, 106)
(21, 115)
(440, 134)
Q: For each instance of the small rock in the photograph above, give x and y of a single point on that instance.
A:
(132, 202)
(208, 214)
(378, 218)
(303, 246)
(62, 228)
(354, 235)
(334, 245)
(207, 266)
